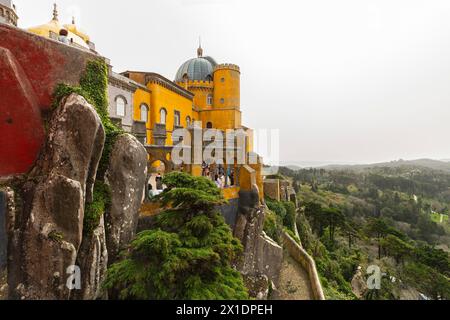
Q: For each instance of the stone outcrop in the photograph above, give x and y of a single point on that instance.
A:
(359, 284)
(126, 177)
(93, 261)
(262, 257)
(46, 227)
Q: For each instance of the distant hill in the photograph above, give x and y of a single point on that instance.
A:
(424, 163)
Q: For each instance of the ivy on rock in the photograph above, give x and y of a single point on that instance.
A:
(93, 87)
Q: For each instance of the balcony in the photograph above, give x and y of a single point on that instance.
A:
(139, 130)
(160, 134)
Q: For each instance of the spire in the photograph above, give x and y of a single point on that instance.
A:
(200, 50)
(55, 12)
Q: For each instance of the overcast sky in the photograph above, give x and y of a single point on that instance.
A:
(345, 81)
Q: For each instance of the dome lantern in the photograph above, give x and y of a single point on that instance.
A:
(55, 12)
(197, 69)
(200, 49)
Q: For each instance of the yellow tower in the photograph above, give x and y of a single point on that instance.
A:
(227, 87)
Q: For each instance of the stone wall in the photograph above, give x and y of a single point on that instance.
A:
(230, 212)
(113, 93)
(272, 189)
(307, 262)
(262, 257)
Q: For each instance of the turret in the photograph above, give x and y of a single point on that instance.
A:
(8, 13)
(227, 87)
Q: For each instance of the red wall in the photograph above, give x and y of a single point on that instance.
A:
(30, 68)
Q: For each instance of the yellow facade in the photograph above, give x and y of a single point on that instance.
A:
(214, 101)
(163, 98)
(221, 119)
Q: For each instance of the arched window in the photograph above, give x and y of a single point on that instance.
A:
(188, 121)
(163, 116)
(177, 119)
(209, 125)
(144, 113)
(120, 106)
(209, 100)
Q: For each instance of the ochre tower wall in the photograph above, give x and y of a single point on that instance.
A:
(201, 90)
(227, 87)
(221, 119)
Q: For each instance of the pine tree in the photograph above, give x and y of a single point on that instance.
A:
(189, 252)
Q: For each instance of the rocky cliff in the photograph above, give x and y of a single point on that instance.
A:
(46, 217)
(262, 258)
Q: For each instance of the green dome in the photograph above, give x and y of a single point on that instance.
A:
(200, 68)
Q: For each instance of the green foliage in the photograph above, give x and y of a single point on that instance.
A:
(63, 90)
(291, 214)
(188, 254)
(56, 236)
(281, 215)
(94, 210)
(272, 226)
(329, 267)
(434, 258)
(427, 280)
(276, 207)
(293, 236)
(395, 207)
(396, 248)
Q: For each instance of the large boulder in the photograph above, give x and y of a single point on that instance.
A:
(126, 176)
(46, 228)
(262, 257)
(93, 261)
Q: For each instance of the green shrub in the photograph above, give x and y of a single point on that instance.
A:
(189, 253)
(291, 214)
(271, 226)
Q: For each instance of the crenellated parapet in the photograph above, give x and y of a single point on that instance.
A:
(227, 66)
(197, 84)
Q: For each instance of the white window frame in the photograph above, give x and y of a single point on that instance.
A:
(163, 119)
(177, 118)
(122, 99)
(209, 100)
(144, 108)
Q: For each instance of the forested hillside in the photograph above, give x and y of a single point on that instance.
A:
(393, 217)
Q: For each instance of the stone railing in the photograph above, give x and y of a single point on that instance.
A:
(139, 130)
(307, 262)
(160, 134)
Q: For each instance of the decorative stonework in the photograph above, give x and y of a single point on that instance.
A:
(166, 83)
(9, 15)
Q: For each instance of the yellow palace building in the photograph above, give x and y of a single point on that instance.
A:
(204, 94)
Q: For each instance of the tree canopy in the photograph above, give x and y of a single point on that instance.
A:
(189, 254)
